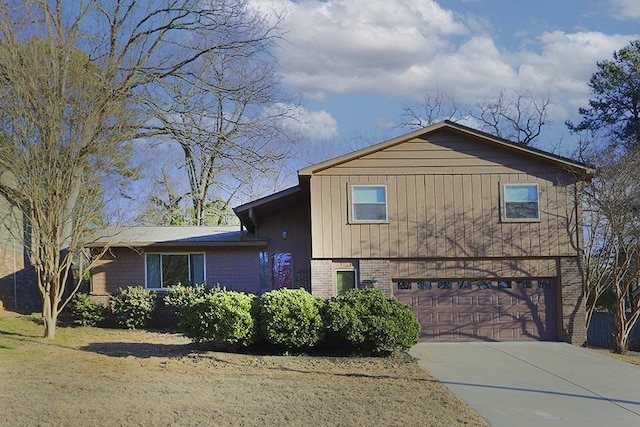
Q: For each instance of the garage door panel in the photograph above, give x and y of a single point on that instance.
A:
(465, 318)
(484, 314)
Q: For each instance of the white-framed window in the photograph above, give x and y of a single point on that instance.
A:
(345, 279)
(164, 270)
(369, 203)
(520, 202)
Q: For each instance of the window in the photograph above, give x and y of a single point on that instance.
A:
(520, 202)
(345, 280)
(464, 284)
(444, 284)
(164, 270)
(282, 270)
(424, 284)
(484, 284)
(403, 285)
(369, 203)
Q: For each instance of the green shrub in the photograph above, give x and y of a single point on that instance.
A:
(290, 318)
(133, 306)
(84, 311)
(180, 297)
(221, 316)
(370, 322)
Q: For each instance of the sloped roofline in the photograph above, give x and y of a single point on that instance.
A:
(267, 199)
(446, 124)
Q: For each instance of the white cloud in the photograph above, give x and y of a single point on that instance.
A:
(404, 48)
(314, 126)
(625, 9)
(354, 45)
(564, 65)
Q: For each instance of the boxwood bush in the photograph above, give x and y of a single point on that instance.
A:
(221, 316)
(290, 318)
(182, 297)
(133, 306)
(83, 311)
(369, 322)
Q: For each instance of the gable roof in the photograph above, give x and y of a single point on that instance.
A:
(249, 213)
(574, 165)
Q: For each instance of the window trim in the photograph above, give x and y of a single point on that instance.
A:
(503, 207)
(345, 269)
(162, 286)
(354, 220)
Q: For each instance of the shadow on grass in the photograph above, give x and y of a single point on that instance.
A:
(140, 350)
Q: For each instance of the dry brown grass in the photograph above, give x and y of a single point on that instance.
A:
(92, 376)
(632, 357)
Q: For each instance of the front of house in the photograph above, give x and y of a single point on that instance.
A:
(479, 236)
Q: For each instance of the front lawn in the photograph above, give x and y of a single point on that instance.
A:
(95, 377)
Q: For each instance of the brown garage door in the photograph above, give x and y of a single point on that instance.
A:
(465, 310)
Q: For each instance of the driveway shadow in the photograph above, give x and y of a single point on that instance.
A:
(595, 396)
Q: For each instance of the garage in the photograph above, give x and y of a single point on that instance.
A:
(482, 310)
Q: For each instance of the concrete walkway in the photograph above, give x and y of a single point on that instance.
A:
(538, 383)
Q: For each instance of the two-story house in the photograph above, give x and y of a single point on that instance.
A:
(479, 236)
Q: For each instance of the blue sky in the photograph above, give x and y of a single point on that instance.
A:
(356, 63)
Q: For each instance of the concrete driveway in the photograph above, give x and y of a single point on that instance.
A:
(537, 383)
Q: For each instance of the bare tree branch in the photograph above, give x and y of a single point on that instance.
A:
(79, 80)
(519, 117)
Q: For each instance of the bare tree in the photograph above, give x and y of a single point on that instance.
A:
(75, 85)
(519, 117)
(435, 107)
(227, 112)
(612, 249)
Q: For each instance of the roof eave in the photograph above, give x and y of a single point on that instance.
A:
(244, 243)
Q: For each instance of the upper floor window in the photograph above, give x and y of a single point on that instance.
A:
(520, 202)
(369, 203)
(164, 270)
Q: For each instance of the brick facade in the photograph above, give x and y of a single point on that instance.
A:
(376, 272)
(322, 278)
(573, 329)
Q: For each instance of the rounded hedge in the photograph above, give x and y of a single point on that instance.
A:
(291, 318)
(222, 316)
(368, 321)
(133, 306)
(84, 311)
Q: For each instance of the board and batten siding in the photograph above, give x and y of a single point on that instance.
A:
(443, 198)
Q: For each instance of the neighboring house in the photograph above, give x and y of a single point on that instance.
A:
(479, 236)
(18, 289)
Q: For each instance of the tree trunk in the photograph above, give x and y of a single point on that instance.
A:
(621, 337)
(49, 315)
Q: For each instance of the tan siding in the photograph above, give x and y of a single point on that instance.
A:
(347, 244)
(447, 211)
(336, 215)
(473, 269)
(328, 228)
(317, 230)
